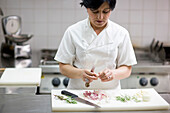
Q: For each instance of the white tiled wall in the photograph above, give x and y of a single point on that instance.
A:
(48, 19)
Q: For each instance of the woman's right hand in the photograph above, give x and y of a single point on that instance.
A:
(86, 74)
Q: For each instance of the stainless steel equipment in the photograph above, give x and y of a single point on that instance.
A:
(148, 73)
(14, 41)
(51, 78)
(152, 70)
(160, 52)
(156, 77)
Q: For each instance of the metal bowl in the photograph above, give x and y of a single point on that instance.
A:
(19, 39)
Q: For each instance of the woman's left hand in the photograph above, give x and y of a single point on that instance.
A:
(106, 75)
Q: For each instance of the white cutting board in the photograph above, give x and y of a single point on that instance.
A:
(156, 102)
(21, 77)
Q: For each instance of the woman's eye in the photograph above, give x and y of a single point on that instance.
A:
(106, 11)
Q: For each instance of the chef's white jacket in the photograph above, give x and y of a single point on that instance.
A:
(83, 48)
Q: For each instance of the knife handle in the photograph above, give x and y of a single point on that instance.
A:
(64, 92)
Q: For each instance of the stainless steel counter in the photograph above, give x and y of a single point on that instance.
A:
(29, 103)
(42, 104)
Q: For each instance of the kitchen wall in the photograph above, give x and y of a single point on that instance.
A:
(48, 19)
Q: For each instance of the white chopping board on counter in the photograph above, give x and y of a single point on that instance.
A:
(152, 101)
(21, 77)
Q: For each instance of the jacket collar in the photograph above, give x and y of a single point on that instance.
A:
(101, 41)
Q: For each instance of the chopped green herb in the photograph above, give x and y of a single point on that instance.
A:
(121, 98)
(136, 99)
(125, 98)
(60, 97)
(128, 98)
(69, 99)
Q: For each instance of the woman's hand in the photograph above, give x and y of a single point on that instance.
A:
(86, 74)
(106, 75)
(119, 73)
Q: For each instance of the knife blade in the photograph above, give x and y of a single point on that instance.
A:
(74, 96)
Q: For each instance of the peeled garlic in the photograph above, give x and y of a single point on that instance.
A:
(146, 97)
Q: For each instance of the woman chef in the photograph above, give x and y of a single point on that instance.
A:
(96, 50)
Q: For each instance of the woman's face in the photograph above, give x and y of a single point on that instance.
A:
(99, 17)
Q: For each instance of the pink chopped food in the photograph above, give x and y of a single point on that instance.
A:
(95, 95)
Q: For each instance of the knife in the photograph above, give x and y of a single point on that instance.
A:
(75, 97)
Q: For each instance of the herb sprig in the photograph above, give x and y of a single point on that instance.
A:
(125, 98)
(68, 99)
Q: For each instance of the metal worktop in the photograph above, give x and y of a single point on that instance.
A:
(30, 103)
(13, 103)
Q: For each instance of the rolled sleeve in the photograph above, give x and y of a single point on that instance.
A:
(66, 50)
(126, 55)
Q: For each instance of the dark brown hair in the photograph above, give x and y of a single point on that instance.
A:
(95, 4)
